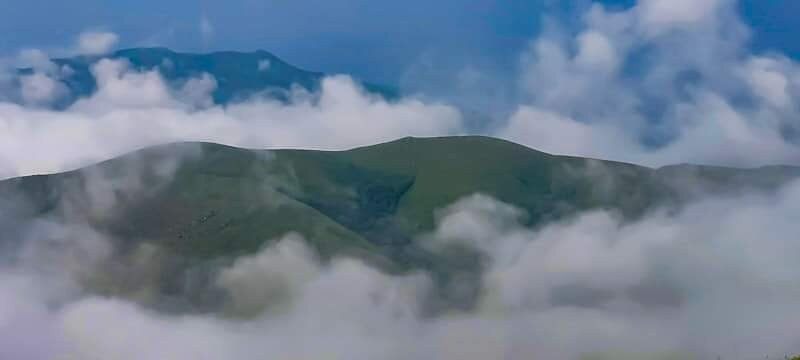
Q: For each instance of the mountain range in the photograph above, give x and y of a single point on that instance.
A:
(199, 202)
(239, 75)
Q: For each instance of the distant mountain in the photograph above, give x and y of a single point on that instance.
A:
(372, 201)
(238, 74)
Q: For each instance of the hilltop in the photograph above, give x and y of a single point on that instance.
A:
(197, 202)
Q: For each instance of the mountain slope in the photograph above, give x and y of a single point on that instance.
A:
(238, 74)
(382, 193)
(199, 201)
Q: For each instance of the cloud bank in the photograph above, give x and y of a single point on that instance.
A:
(715, 279)
(131, 110)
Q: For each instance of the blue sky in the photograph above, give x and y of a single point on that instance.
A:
(374, 40)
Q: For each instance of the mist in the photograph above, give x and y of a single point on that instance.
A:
(716, 278)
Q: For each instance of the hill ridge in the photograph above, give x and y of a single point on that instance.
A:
(196, 201)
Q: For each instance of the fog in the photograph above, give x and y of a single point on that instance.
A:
(716, 278)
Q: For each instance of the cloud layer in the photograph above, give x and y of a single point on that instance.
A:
(131, 110)
(716, 279)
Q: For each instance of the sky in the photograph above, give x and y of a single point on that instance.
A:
(651, 82)
(383, 46)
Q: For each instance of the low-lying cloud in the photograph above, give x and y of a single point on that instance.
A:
(715, 279)
(131, 110)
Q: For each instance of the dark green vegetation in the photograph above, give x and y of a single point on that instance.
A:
(197, 202)
(239, 75)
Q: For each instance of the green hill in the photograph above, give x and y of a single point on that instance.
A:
(218, 202)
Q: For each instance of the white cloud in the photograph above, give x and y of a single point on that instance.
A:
(131, 110)
(695, 93)
(717, 264)
(715, 279)
(657, 13)
(35, 59)
(271, 278)
(769, 79)
(39, 88)
(119, 88)
(96, 42)
(556, 134)
(595, 51)
(197, 91)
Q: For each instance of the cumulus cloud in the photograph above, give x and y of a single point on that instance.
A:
(659, 83)
(40, 85)
(96, 42)
(683, 277)
(39, 88)
(270, 278)
(35, 59)
(595, 51)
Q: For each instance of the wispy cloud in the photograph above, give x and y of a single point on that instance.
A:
(700, 281)
(206, 30)
(96, 42)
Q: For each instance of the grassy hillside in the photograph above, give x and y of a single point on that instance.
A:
(200, 201)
